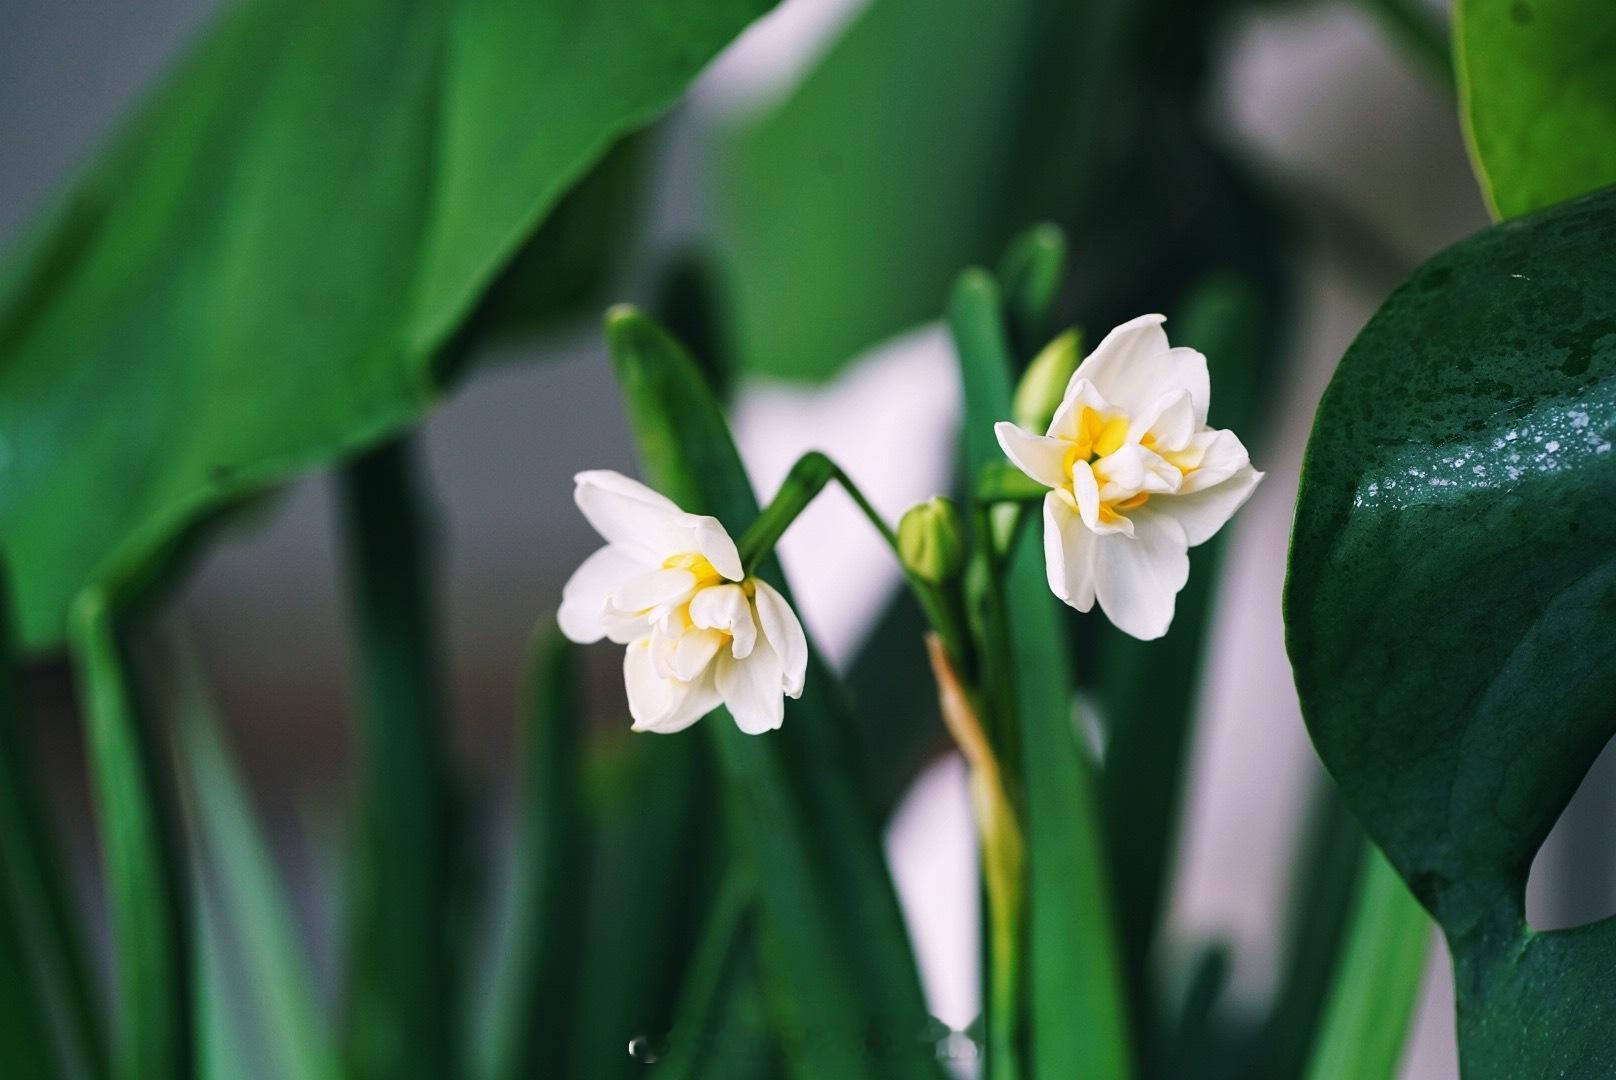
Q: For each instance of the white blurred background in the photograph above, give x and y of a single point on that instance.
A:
(1318, 98)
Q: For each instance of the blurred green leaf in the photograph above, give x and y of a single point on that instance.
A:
(1377, 982)
(655, 844)
(1451, 607)
(147, 890)
(401, 1016)
(1537, 88)
(49, 1027)
(261, 271)
(1077, 1015)
(524, 1020)
(1325, 876)
(840, 980)
(700, 1045)
(257, 957)
(928, 133)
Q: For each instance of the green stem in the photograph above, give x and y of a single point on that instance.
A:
(400, 1021)
(801, 486)
(146, 892)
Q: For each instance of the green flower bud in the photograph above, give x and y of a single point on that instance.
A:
(931, 542)
(1044, 384)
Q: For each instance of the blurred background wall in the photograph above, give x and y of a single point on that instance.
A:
(1359, 141)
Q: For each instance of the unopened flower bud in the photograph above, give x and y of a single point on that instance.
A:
(1044, 384)
(931, 541)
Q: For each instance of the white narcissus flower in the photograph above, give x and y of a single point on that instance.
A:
(669, 585)
(1136, 477)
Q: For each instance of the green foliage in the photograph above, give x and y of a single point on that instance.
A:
(1537, 88)
(253, 965)
(263, 269)
(1377, 983)
(401, 1019)
(147, 891)
(49, 989)
(839, 979)
(1451, 607)
(528, 1011)
(925, 136)
(1076, 1012)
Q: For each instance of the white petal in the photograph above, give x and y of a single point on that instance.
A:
(784, 635)
(627, 512)
(713, 541)
(1221, 455)
(1204, 512)
(1039, 456)
(725, 607)
(646, 592)
(693, 652)
(1137, 579)
(583, 597)
(1086, 501)
(1069, 548)
(1170, 422)
(751, 689)
(699, 699)
(1134, 366)
(650, 697)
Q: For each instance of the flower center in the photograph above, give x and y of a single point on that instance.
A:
(1098, 434)
(697, 566)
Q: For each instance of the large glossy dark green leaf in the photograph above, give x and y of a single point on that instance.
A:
(1451, 607)
(1076, 1010)
(928, 133)
(1537, 87)
(839, 977)
(260, 272)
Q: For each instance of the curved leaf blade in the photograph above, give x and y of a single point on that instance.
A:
(259, 273)
(1451, 605)
(1538, 92)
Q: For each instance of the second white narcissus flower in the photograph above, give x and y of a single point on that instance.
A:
(1136, 477)
(670, 586)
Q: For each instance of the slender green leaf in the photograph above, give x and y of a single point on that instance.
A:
(261, 272)
(1077, 1015)
(1451, 607)
(527, 1014)
(251, 932)
(1377, 984)
(840, 979)
(1538, 92)
(55, 992)
(401, 1015)
(147, 894)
